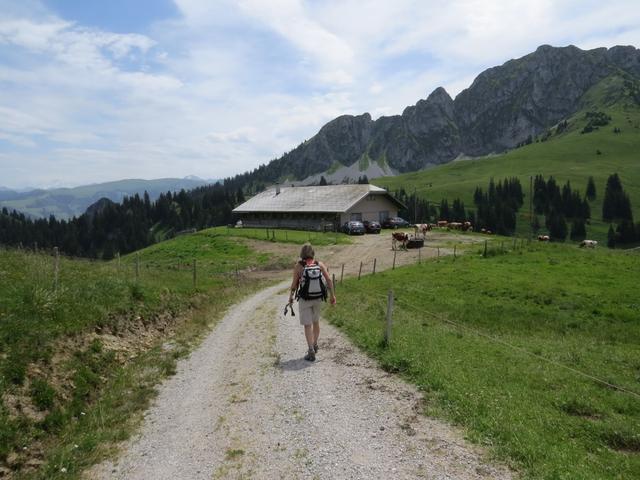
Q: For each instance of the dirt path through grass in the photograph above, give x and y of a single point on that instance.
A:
(368, 248)
(246, 405)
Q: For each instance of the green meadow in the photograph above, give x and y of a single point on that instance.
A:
(501, 345)
(570, 155)
(284, 235)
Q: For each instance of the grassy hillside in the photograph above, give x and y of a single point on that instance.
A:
(491, 342)
(569, 155)
(80, 360)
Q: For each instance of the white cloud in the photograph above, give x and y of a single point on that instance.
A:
(229, 85)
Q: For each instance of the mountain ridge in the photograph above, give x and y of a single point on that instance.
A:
(503, 107)
(67, 202)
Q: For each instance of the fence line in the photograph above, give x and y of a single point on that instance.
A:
(497, 340)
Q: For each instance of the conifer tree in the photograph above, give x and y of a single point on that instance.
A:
(578, 230)
(591, 189)
(611, 237)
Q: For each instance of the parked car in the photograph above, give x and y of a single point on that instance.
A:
(395, 222)
(371, 227)
(353, 228)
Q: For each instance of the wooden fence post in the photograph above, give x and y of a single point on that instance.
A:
(360, 271)
(438, 252)
(485, 249)
(56, 268)
(334, 282)
(387, 331)
(419, 256)
(195, 269)
(454, 252)
(342, 273)
(394, 260)
(374, 265)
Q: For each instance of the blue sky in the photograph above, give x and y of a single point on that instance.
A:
(93, 91)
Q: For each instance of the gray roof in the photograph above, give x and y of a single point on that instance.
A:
(330, 198)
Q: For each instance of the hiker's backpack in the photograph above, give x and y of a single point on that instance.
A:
(312, 284)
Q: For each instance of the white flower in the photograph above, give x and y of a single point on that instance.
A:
(63, 470)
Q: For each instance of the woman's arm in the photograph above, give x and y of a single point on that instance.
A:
(294, 282)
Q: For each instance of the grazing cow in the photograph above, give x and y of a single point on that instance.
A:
(588, 243)
(442, 224)
(543, 238)
(467, 227)
(422, 229)
(455, 225)
(401, 237)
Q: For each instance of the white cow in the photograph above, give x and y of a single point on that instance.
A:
(588, 243)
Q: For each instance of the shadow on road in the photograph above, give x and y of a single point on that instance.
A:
(294, 364)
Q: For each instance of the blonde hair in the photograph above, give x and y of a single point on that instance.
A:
(307, 252)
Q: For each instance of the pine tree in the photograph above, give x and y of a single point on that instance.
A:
(591, 189)
(578, 230)
(611, 237)
(445, 214)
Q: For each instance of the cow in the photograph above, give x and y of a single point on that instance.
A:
(588, 243)
(422, 229)
(442, 224)
(467, 227)
(543, 238)
(401, 237)
(455, 225)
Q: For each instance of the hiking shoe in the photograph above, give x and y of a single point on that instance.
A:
(315, 348)
(310, 356)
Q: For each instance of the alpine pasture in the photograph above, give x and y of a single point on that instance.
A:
(535, 352)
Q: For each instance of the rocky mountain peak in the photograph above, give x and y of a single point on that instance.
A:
(503, 107)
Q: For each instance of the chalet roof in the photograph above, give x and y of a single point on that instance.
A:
(329, 198)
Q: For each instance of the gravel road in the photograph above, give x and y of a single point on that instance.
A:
(246, 405)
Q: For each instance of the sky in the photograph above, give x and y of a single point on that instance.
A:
(94, 91)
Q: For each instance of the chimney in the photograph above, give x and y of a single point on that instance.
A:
(277, 189)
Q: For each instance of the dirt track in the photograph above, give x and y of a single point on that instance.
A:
(368, 248)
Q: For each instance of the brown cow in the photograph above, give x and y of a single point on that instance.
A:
(401, 237)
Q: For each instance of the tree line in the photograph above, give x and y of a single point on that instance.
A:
(136, 222)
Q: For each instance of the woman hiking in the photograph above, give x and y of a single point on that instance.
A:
(311, 282)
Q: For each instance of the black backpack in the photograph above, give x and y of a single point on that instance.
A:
(312, 284)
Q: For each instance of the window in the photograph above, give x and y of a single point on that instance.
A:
(382, 216)
(356, 216)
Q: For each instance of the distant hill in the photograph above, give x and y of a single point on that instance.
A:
(69, 202)
(566, 152)
(503, 108)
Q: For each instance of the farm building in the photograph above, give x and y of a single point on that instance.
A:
(317, 207)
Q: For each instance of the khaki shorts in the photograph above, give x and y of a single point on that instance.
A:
(309, 311)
